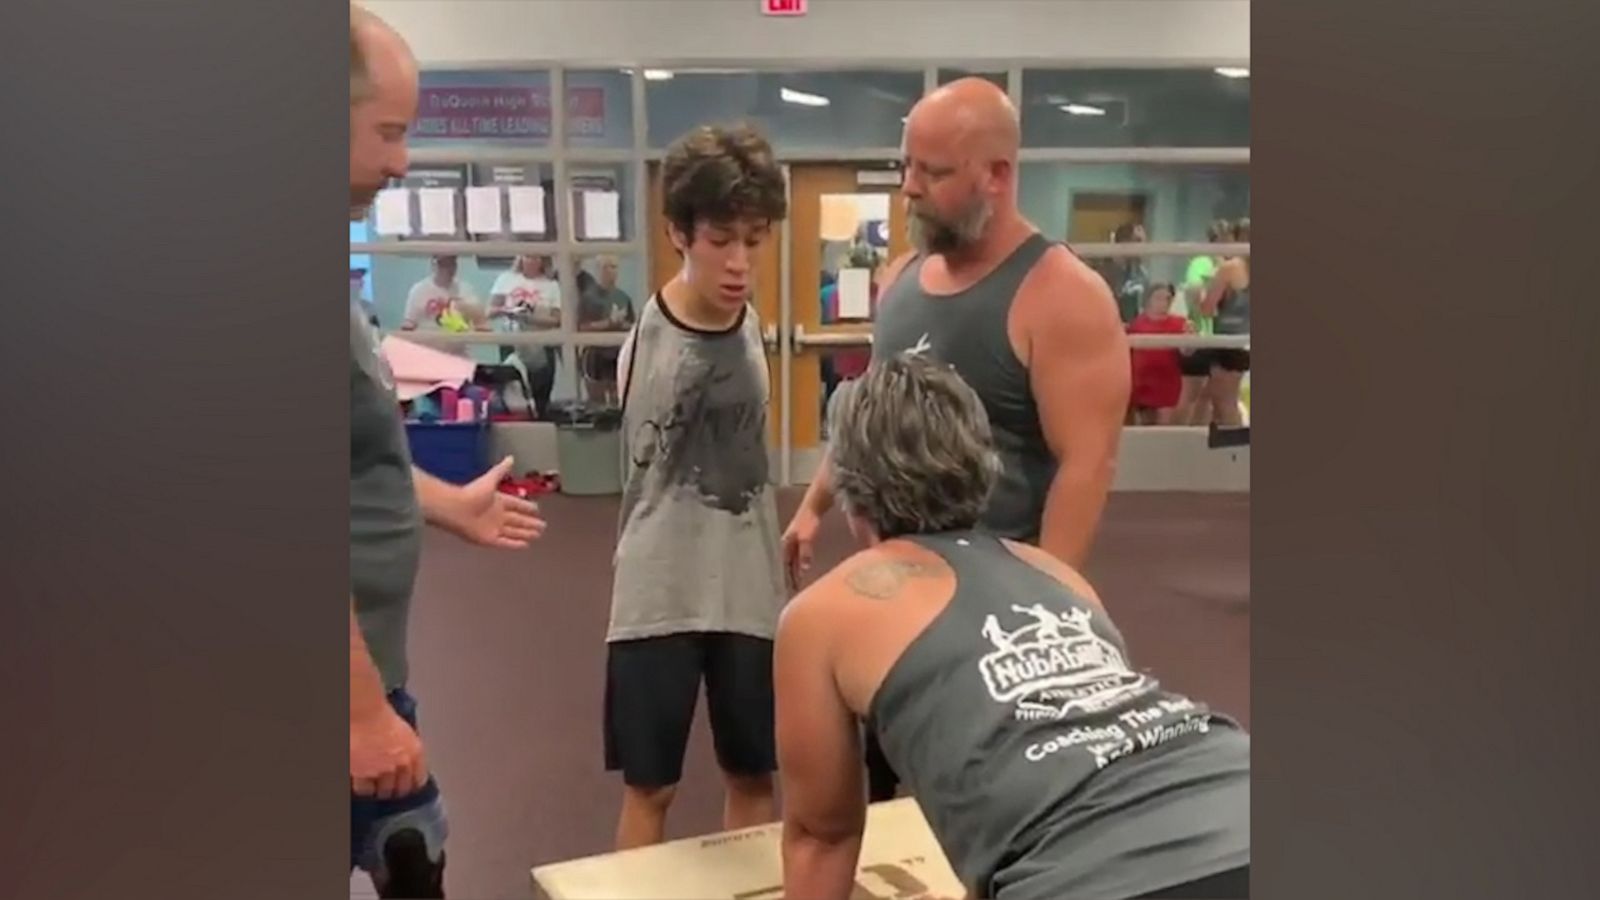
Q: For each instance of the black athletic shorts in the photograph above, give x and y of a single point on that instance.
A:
(1194, 365)
(1231, 360)
(652, 686)
(1227, 359)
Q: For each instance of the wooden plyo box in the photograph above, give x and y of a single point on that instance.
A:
(900, 860)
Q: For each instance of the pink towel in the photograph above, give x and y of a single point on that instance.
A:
(420, 370)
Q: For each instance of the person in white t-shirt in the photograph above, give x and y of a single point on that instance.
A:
(528, 298)
(442, 302)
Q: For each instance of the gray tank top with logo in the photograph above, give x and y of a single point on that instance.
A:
(1046, 765)
(968, 331)
(698, 543)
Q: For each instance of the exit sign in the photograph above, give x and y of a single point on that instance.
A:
(784, 7)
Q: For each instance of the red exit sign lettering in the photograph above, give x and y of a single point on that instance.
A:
(784, 7)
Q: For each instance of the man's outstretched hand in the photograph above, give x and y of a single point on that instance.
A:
(483, 514)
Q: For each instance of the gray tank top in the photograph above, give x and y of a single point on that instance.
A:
(1233, 312)
(1046, 765)
(968, 331)
(698, 545)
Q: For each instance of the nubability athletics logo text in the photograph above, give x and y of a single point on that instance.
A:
(1056, 665)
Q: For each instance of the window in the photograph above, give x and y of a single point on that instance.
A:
(600, 109)
(483, 214)
(798, 110)
(437, 205)
(1134, 108)
(436, 295)
(1072, 201)
(611, 292)
(600, 201)
(999, 79)
(360, 266)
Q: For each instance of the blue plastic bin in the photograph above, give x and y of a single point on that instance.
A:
(457, 452)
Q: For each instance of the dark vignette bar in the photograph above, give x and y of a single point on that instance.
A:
(174, 351)
(1423, 569)
(173, 482)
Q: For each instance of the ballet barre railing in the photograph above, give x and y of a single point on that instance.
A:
(802, 339)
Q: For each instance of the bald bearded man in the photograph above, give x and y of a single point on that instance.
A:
(1027, 324)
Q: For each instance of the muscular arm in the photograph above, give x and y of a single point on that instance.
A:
(819, 759)
(1078, 368)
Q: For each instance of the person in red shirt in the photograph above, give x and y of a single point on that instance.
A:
(1157, 376)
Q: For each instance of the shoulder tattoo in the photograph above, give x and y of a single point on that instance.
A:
(882, 580)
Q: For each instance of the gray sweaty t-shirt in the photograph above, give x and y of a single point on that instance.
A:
(698, 544)
(385, 520)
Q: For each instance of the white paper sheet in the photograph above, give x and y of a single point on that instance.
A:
(392, 209)
(855, 293)
(527, 208)
(483, 209)
(602, 216)
(438, 208)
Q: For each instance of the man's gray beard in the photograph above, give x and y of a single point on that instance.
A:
(929, 236)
